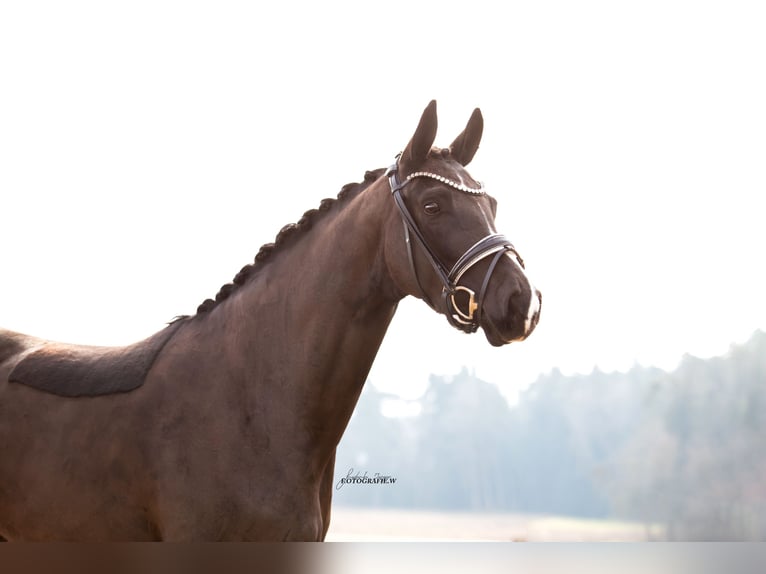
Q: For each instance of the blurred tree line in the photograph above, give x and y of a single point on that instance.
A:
(685, 449)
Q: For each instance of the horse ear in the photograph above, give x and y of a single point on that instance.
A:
(465, 145)
(417, 150)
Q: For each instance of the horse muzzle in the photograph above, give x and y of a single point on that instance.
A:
(512, 310)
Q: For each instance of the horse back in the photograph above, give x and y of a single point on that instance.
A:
(79, 370)
(13, 347)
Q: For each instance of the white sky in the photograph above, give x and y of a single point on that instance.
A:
(148, 149)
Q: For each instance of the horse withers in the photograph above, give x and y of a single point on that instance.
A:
(224, 425)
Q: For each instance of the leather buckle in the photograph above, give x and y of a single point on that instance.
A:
(465, 318)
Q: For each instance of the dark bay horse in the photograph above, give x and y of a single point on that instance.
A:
(224, 425)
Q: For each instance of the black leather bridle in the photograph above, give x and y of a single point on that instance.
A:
(494, 243)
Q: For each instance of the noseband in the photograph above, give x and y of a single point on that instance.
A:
(466, 320)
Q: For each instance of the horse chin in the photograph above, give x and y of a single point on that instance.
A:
(494, 337)
(498, 338)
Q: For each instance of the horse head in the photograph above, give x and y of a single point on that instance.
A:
(448, 252)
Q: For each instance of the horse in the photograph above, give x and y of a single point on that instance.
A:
(224, 425)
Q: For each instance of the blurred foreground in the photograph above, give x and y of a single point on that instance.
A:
(388, 525)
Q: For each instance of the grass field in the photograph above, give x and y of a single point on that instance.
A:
(354, 524)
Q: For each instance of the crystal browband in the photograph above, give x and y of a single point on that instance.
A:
(447, 181)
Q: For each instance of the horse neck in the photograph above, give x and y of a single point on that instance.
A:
(305, 330)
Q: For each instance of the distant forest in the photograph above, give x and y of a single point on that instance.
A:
(685, 450)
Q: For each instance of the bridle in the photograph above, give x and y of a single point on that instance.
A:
(495, 243)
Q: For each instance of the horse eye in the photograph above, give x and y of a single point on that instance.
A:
(431, 208)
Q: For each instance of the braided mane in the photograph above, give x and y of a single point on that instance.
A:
(290, 230)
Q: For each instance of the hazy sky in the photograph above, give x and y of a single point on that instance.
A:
(147, 150)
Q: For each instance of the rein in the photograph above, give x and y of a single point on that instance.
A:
(495, 243)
